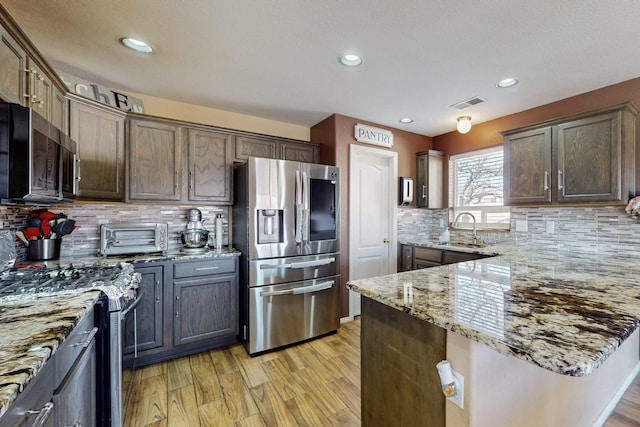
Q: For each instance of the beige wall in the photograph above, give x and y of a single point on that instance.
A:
(209, 116)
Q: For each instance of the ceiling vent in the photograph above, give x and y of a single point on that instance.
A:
(467, 103)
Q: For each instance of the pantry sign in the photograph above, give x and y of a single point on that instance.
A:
(371, 135)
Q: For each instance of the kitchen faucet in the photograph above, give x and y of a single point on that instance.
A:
(455, 222)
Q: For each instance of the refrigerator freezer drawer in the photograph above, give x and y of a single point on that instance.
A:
(285, 314)
(292, 269)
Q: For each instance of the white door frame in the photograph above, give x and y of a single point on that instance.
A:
(392, 159)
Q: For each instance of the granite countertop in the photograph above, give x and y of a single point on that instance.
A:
(28, 339)
(563, 311)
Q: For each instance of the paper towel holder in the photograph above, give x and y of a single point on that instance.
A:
(406, 191)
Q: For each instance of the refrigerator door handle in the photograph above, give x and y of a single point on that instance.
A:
(313, 288)
(298, 224)
(301, 290)
(276, 293)
(305, 207)
(301, 264)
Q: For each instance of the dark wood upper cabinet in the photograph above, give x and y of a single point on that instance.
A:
(527, 167)
(299, 151)
(430, 179)
(275, 148)
(155, 160)
(13, 62)
(209, 165)
(99, 133)
(587, 158)
(589, 153)
(250, 146)
(26, 78)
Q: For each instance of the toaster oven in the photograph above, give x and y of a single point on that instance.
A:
(133, 238)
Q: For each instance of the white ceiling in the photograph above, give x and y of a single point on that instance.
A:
(278, 59)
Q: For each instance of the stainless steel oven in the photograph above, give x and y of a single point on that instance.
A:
(286, 225)
(119, 284)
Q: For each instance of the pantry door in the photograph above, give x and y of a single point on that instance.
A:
(373, 174)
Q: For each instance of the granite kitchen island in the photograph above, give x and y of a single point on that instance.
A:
(542, 337)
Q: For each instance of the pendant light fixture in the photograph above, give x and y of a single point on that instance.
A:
(464, 124)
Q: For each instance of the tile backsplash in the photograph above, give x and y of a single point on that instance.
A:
(591, 228)
(89, 216)
(597, 228)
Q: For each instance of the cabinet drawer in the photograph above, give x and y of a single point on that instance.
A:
(203, 267)
(434, 255)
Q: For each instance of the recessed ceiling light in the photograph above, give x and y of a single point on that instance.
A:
(507, 82)
(406, 120)
(350, 60)
(137, 45)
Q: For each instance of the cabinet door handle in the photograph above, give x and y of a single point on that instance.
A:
(40, 98)
(190, 180)
(546, 181)
(32, 82)
(157, 292)
(177, 300)
(176, 184)
(560, 180)
(78, 170)
(424, 191)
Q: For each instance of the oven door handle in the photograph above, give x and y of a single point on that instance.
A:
(133, 305)
(301, 264)
(301, 290)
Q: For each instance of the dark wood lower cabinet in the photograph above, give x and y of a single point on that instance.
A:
(187, 307)
(145, 323)
(205, 308)
(400, 383)
(417, 257)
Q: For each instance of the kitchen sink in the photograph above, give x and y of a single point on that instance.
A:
(467, 245)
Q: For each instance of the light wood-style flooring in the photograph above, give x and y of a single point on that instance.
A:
(316, 383)
(312, 384)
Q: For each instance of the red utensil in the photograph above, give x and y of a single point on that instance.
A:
(32, 233)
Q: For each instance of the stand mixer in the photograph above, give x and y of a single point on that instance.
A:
(195, 237)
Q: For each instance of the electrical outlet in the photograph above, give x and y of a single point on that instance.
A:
(459, 399)
(521, 225)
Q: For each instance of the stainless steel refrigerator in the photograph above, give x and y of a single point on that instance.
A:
(286, 224)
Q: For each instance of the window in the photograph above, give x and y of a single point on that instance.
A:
(476, 186)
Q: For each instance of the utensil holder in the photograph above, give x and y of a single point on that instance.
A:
(44, 249)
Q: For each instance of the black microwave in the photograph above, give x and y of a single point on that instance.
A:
(37, 160)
